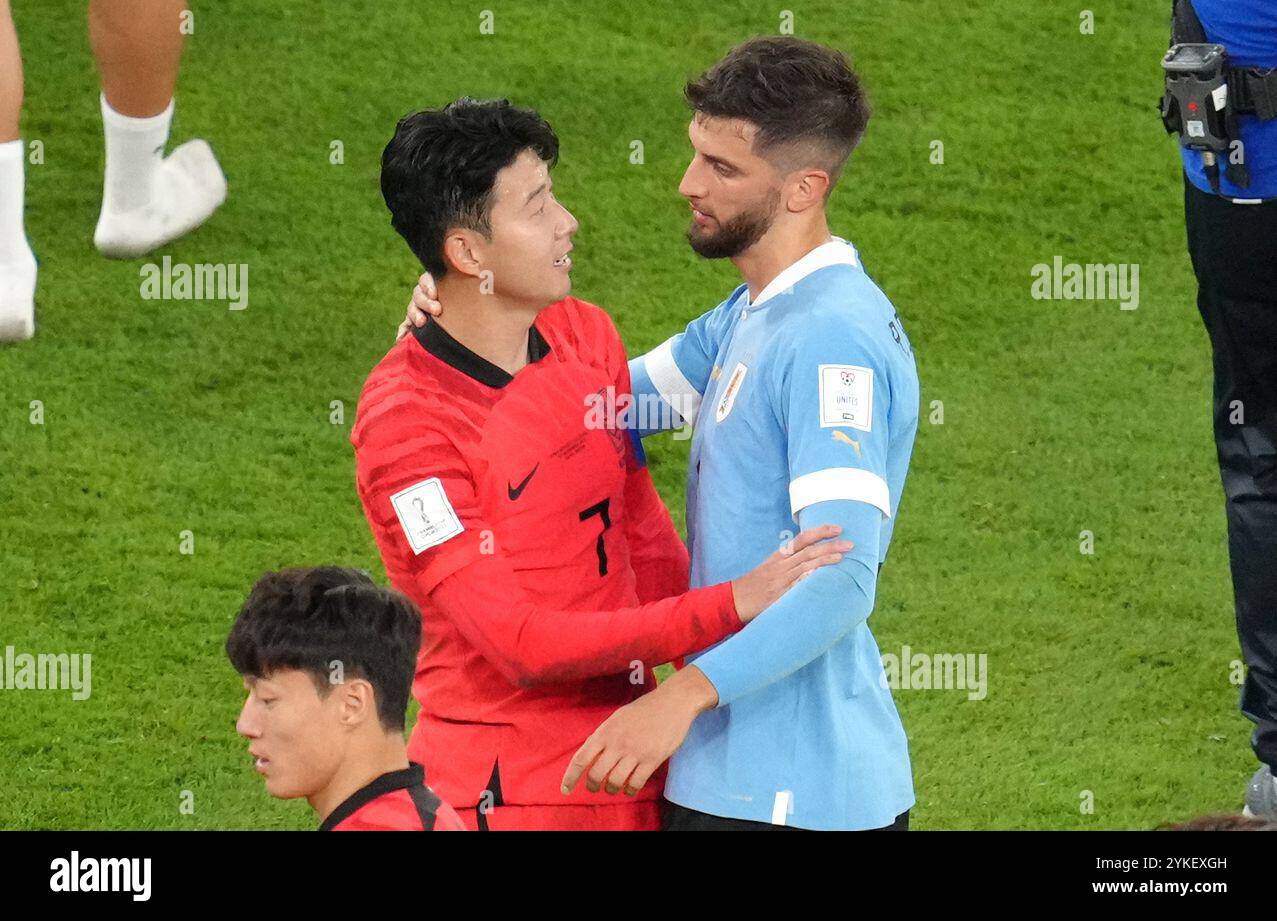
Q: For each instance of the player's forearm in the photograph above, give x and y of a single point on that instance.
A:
(794, 631)
(572, 645)
(533, 645)
(690, 689)
(811, 617)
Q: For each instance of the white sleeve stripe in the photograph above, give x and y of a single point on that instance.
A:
(670, 382)
(840, 483)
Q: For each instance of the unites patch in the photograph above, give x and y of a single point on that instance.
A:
(846, 396)
(426, 515)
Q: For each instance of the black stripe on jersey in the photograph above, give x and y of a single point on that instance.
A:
(427, 804)
(494, 787)
(435, 340)
(411, 777)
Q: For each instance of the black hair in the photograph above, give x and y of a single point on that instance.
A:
(309, 618)
(794, 91)
(439, 169)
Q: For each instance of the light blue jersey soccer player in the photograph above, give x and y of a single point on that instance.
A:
(808, 406)
(804, 395)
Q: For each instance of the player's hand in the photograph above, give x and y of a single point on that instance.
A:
(424, 303)
(796, 559)
(624, 752)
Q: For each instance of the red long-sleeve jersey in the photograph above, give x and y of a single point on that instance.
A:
(548, 572)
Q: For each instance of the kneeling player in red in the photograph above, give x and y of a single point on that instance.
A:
(522, 521)
(327, 659)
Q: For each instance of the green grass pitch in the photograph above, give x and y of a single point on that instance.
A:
(1108, 673)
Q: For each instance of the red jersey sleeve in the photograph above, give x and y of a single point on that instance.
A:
(530, 644)
(421, 502)
(417, 491)
(657, 553)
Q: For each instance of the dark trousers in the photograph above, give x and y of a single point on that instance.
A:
(1234, 253)
(680, 818)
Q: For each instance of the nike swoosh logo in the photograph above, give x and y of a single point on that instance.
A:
(515, 491)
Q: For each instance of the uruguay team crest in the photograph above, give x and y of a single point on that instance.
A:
(729, 392)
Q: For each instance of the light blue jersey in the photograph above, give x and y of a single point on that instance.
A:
(806, 406)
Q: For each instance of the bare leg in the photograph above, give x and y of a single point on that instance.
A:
(17, 264)
(10, 75)
(147, 199)
(138, 46)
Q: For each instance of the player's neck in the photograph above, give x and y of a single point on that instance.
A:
(487, 324)
(783, 244)
(363, 765)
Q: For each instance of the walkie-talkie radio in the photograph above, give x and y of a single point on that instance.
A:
(1197, 96)
(1205, 94)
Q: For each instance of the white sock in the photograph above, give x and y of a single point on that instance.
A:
(134, 151)
(13, 236)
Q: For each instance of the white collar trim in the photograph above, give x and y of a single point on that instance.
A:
(834, 251)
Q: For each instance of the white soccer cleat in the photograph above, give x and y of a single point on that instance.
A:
(189, 187)
(17, 299)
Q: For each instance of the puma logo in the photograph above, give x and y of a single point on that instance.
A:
(515, 491)
(841, 436)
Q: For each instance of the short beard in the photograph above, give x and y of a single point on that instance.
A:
(738, 234)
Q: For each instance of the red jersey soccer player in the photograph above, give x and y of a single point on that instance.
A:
(549, 575)
(327, 659)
